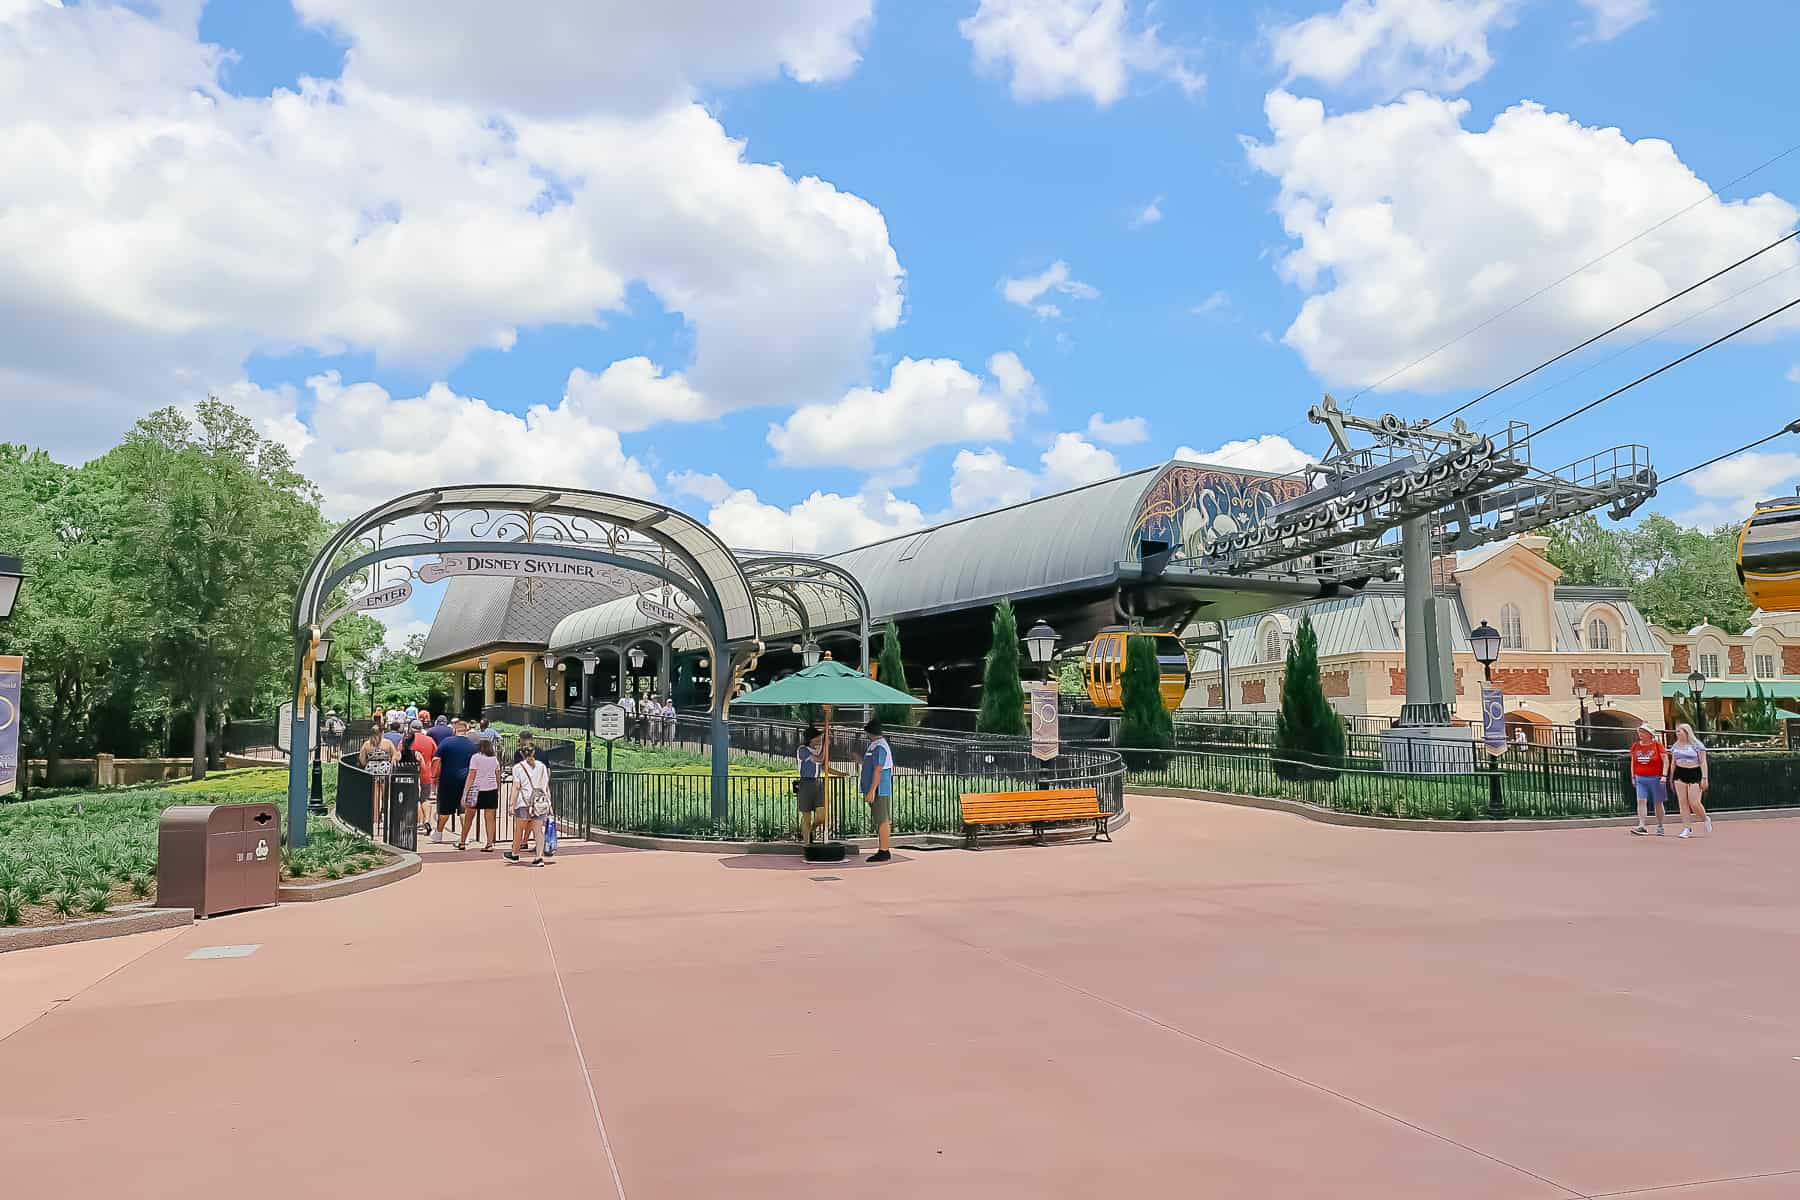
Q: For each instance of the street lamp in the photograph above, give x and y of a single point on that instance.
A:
(12, 577)
(809, 653)
(1485, 640)
(589, 660)
(1696, 686)
(636, 657)
(321, 651)
(1581, 699)
(1040, 643)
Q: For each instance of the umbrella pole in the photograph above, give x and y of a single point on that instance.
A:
(825, 777)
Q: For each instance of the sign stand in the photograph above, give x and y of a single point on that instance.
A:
(609, 727)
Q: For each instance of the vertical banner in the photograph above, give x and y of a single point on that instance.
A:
(1493, 719)
(1044, 729)
(12, 683)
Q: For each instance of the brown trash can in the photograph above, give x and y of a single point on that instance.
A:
(216, 858)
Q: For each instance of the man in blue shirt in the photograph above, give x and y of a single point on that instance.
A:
(440, 730)
(878, 789)
(453, 755)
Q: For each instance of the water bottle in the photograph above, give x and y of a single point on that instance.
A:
(550, 836)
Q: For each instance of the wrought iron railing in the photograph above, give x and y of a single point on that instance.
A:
(385, 807)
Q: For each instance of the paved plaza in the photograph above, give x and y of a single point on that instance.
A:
(1225, 1002)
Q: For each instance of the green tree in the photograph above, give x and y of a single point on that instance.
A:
(1071, 679)
(891, 670)
(1686, 576)
(1002, 695)
(212, 527)
(1590, 554)
(1144, 724)
(1307, 731)
(397, 680)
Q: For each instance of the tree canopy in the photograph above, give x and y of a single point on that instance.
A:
(1678, 576)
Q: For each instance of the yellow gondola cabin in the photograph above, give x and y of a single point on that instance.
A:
(1104, 666)
(1769, 555)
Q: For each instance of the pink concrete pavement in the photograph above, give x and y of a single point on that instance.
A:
(1224, 1003)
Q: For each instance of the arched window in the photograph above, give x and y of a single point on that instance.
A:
(1512, 633)
(1272, 650)
(1599, 634)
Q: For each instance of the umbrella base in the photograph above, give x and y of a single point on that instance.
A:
(826, 851)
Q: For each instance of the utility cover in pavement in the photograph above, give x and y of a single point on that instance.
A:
(226, 951)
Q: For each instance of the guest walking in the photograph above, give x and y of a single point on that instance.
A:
(454, 754)
(378, 761)
(1649, 764)
(1688, 770)
(530, 802)
(481, 794)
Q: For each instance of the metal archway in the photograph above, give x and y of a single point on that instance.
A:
(790, 571)
(517, 522)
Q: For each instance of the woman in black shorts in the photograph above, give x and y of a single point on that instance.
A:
(484, 785)
(1688, 773)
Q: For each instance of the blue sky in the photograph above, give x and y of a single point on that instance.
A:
(1249, 205)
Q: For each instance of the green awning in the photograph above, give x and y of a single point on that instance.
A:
(1734, 689)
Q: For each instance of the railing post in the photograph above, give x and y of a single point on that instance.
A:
(1496, 797)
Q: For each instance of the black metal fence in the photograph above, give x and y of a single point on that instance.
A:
(763, 807)
(385, 807)
(1530, 782)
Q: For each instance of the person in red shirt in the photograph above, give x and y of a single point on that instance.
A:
(426, 749)
(1649, 766)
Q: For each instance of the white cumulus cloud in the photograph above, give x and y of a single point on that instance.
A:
(926, 403)
(1091, 48)
(1411, 230)
(555, 57)
(1148, 215)
(1028, 291)
(1390, 46)
(821, 523)
(1729, 490)
(1125, 431)
(985, 479)
(1270, 452)
(168, 229)
(1610, 18)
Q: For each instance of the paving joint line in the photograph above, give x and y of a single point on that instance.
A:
(587, 1076)
(1178, 1031)
(1693, 1183)
(80, 992)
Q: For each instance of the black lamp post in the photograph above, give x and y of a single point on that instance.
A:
(589, 660)
(636, 657)
(1040, 643)
(1697, 686)
(321, 651)
(12, 578)
(1485, 640)
(549, 661)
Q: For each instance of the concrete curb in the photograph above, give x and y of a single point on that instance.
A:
(1325, 816)
(69, 932)
(902, 841)
(330, 889)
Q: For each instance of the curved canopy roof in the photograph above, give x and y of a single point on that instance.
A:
(1069, 541)
(511, 504)
(622, 619)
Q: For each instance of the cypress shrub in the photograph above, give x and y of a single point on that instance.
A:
(1309, 736)
(1144, 724)
(891, 670)
(1002, 695)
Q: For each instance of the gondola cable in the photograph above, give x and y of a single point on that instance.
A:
(1790, 427)
(1668, 366)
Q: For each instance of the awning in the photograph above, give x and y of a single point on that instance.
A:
(1733, 689)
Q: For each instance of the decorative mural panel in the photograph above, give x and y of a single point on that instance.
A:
(1188, 506)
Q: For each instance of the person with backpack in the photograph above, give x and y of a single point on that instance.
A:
(531, 804)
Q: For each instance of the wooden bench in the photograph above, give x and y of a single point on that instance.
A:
(1035, 809)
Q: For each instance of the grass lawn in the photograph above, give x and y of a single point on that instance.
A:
(660, 760)
(79, 855)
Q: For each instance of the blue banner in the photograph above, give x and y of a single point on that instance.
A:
(12, 682)
(1493, 718)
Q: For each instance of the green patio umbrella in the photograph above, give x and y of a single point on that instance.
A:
(827, 683)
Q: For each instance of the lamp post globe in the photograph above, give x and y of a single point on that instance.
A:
(809, 653)
(1485, 640)
(1040, 643)
(636, 655)
(12, 577)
